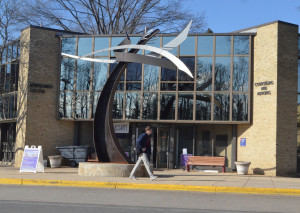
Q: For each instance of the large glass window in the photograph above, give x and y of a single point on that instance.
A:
(2, 78)
(222, 73)
(68, 45)
(221, 108)
(167, 106)
(188, 46)
(240, 73)
(190, 63)
(101, 43)
(168, 87)
(205, 45)
(83, 75)
(241, 45)
(100, 76)
(150, 103)
(219, 61)
(9, 72)
(203, 106)
(115, 41)
(166, 40)
(66, 104)
(151, 78)
(118, 105)
(223, 45)
(85, 46)
(95, 97)
(240, 107)
(204, 73)
(134, 72)
(67, 74)
(185, 106)
(168, 75)
(133, 105)
(82, 101)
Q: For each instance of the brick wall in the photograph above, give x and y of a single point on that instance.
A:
(271, 136)
(37, 122)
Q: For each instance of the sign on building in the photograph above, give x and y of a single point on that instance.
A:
(32, 160)
(243, 142)
(121, 127)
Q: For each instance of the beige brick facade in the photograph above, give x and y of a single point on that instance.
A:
(37, 122)
(271, 136)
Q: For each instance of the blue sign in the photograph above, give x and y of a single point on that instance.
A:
(243, 142)
(30, 160)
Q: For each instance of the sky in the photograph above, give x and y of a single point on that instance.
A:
(230, 15)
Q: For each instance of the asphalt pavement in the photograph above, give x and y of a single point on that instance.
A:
(44, 199)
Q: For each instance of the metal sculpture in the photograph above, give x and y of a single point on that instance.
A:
(106, 143)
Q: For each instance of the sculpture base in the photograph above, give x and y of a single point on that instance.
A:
(110, 169)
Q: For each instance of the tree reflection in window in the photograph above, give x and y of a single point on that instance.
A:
(204, 73)
(65, 104)
(151, 78)
(132, 110)
(240, 107)
(134, 72)
(240, 73)
(190, 63)
(82, 101)
(223, 45)
(203, 106)
(67, 74)
(95, 97)
(68, 45)
(118, 106)
(150, 103)
(241, 45)
(83, 75)
(221, 108)
(100, 76)
(185, 106)
(222, 73)
(167, 106)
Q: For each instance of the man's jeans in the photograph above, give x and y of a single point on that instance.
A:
(143, 157)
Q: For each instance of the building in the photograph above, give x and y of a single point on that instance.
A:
(241, 103)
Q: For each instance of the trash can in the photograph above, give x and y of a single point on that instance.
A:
(74, 154)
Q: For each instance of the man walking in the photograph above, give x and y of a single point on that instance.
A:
(144, 153)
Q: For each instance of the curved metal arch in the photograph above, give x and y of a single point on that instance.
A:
(159, 51)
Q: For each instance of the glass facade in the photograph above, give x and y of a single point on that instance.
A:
(9, 75)
(219, 91)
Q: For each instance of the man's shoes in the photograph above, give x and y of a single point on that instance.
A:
(153, 177)
(133, 177)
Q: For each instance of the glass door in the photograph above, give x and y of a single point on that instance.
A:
(163, 148)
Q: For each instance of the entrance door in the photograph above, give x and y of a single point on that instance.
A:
(7, 141)
(163, 148)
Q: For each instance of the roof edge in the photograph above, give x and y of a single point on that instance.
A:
(52, 29)
(265, 24)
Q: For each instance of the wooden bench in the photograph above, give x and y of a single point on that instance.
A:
(205, 161)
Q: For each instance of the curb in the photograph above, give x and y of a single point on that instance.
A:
(167, 187)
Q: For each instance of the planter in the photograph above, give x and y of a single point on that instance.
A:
(55, 161)
(242, 167)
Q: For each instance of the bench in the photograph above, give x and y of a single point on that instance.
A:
(205, 161)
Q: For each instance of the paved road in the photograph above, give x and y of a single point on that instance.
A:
(28, 199)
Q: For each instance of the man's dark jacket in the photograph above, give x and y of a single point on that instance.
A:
(144, 141)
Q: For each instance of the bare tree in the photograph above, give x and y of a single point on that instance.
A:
(111, 16)
(8, 21)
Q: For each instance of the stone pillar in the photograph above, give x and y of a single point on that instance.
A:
(271, 136)
(37, 122)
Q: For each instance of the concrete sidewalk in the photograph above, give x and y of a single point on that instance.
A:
(167, 180)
